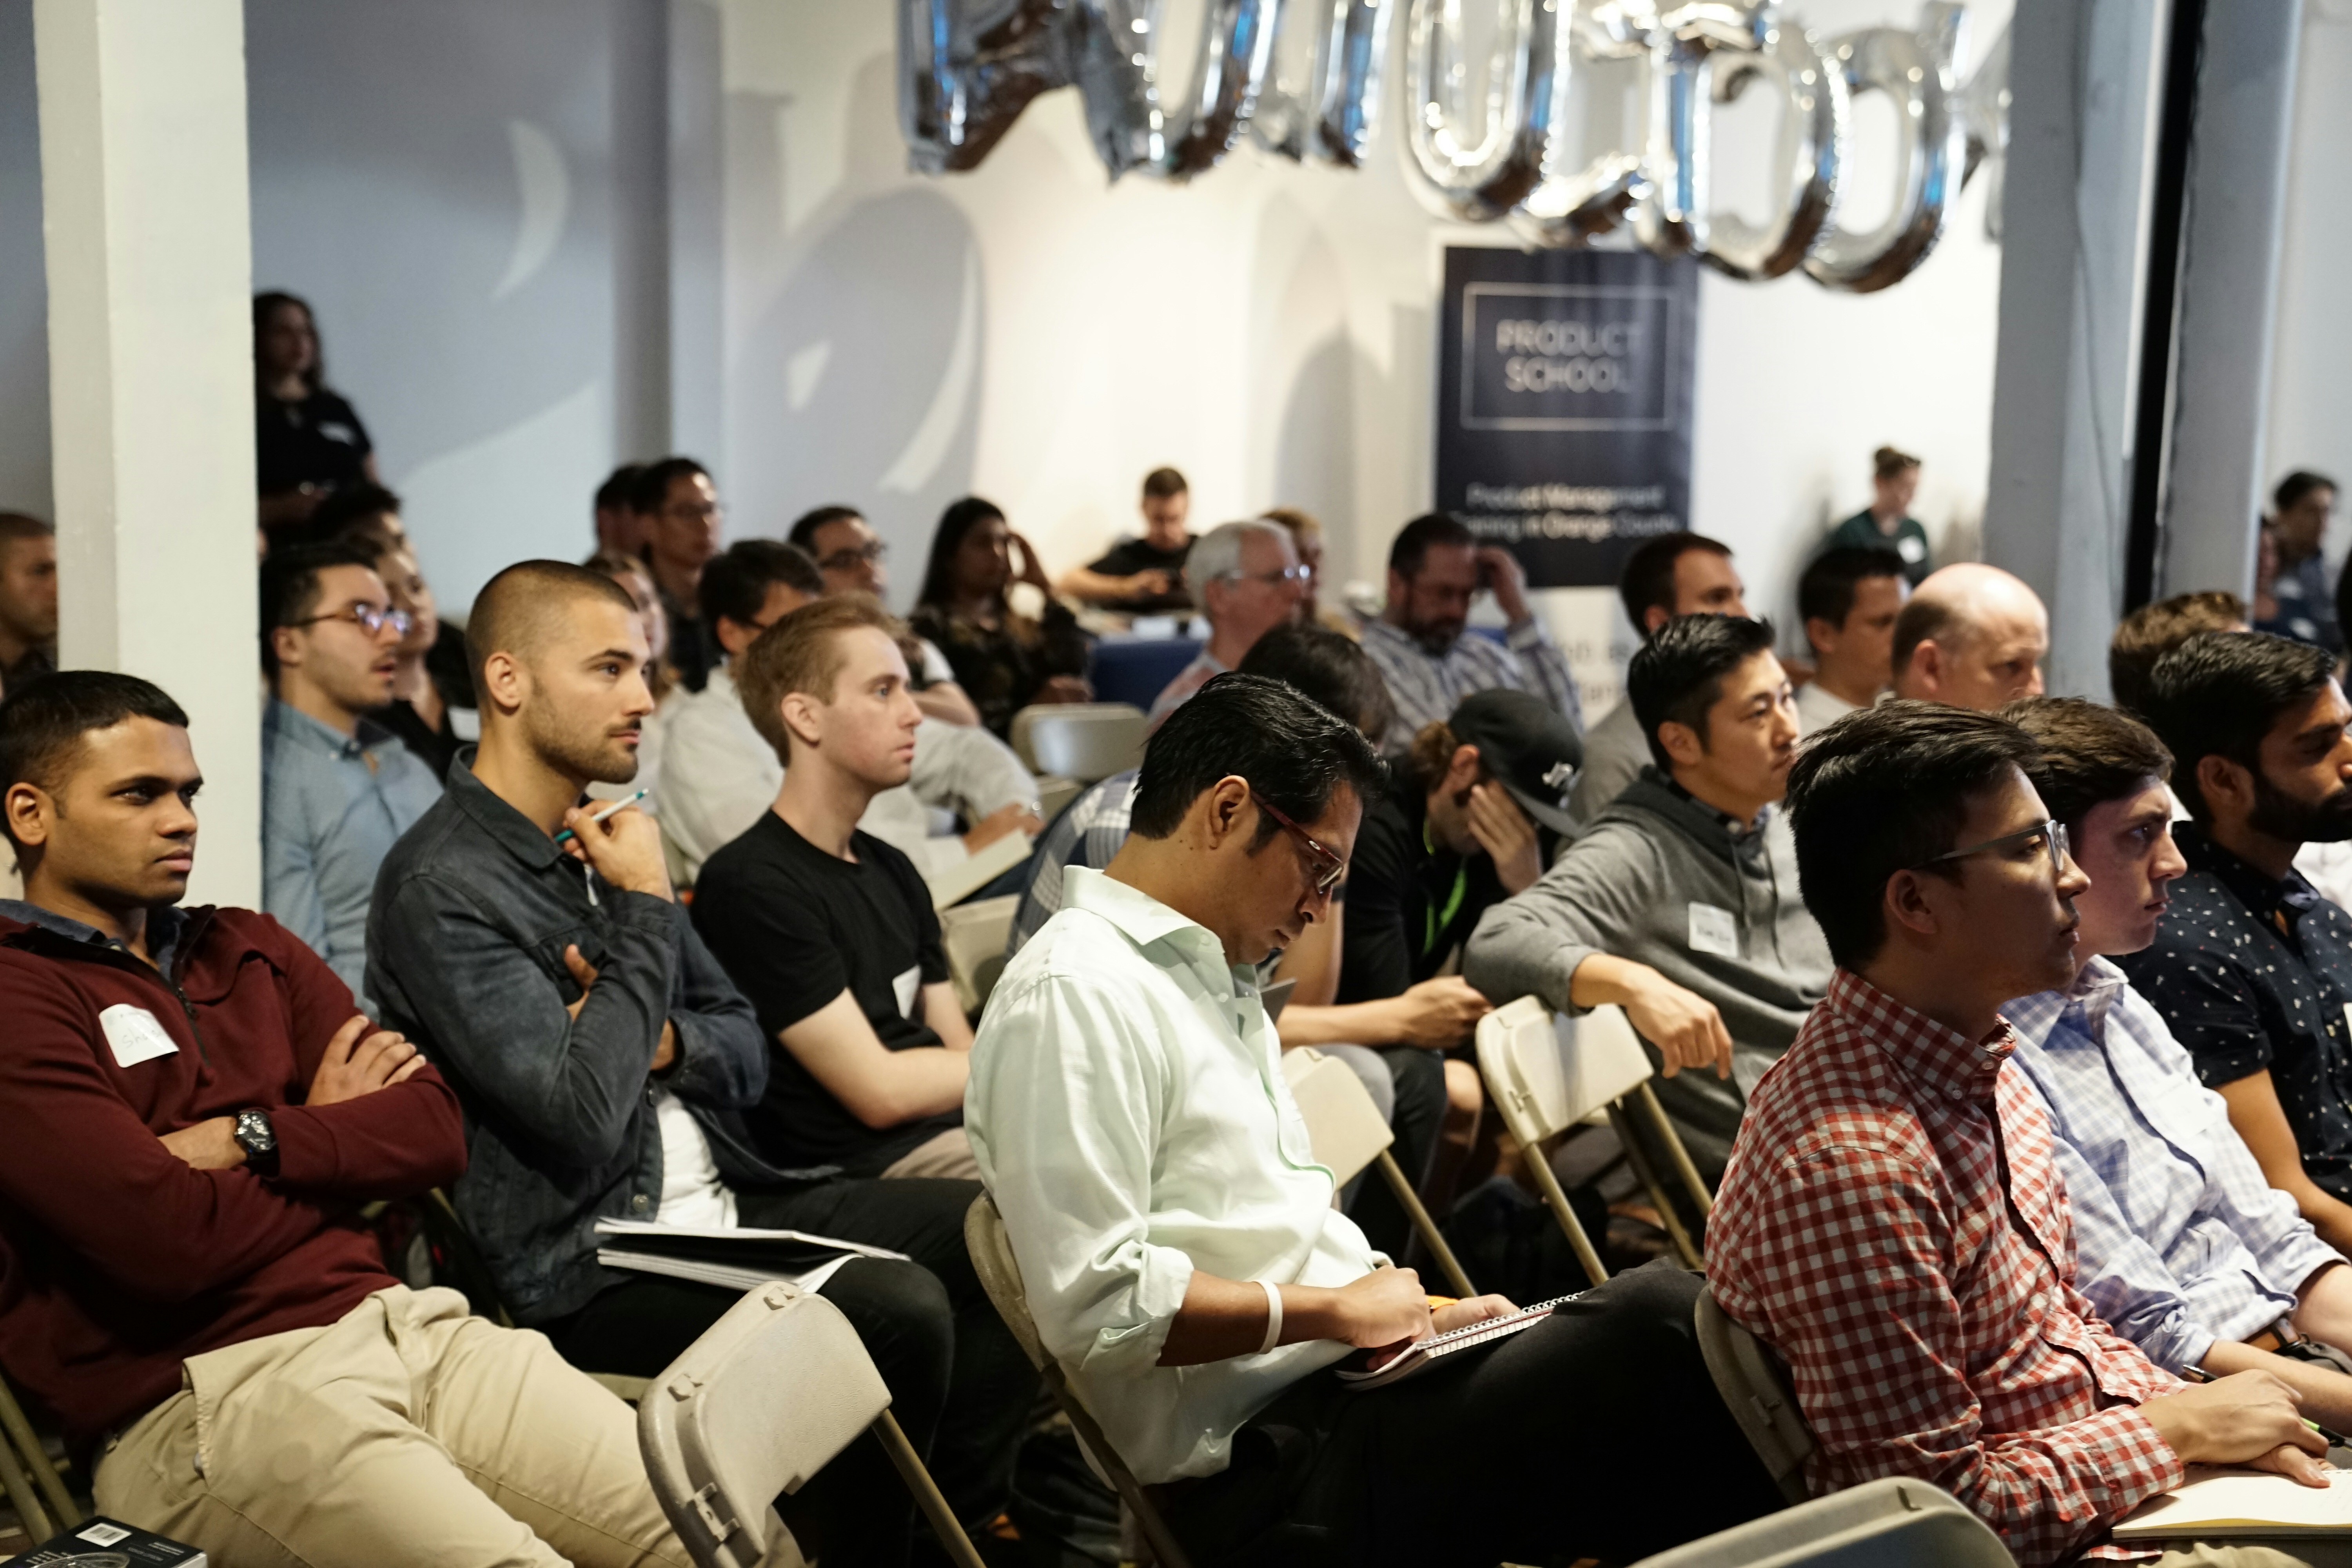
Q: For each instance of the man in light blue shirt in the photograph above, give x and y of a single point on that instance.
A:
(337, 789)
(2182, 1246)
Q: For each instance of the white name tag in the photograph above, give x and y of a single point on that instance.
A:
(1714, 930)
(134, 1035)
(1910, 549)
(906, 986)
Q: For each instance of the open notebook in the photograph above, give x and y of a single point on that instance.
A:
(739, 1259)
(1424, 1353)
(2243, 1504)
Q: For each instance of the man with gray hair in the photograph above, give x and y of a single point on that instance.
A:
(1246, 578)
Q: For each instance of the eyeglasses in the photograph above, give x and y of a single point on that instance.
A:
(369, 618)
(855, 555)
(1329, 867)
(1298, 575)
(2051, 833)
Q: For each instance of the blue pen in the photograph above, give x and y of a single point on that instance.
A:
(630, 800)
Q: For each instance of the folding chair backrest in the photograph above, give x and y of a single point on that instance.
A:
(1548, 1073)
(1753, 1390)
(1343, 1123)
(1082, 741)
(758, 1404)
(1888, 1523)
(974, 935)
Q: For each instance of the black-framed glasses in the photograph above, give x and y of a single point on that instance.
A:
(2051, 833)
(369, 618)
(1330, 866)
(846, 560)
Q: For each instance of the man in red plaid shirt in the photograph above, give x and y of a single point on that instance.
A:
(1890, 1223)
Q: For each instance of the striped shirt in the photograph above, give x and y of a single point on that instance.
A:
(1427, 687)
(1088, 833)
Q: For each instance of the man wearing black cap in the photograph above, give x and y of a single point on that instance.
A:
(1679, 902)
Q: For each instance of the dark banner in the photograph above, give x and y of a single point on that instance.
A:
(1564, 403)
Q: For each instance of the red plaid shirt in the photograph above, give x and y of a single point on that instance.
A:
(1928, 1319)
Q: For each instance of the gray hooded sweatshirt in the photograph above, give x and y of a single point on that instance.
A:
(1662, 879)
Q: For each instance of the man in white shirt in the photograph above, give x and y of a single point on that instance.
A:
(1182, 1256)
(1848, 599)
(719, 775)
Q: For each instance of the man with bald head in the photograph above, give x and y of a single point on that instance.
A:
(1972, 636)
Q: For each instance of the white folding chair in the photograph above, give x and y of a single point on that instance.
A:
(1000, 1275)
(1887, 1524)
(974, 936)
(1752, 1389)
(758, 1404)
(1545, 1074)
(1348, 1134)
(1081, 740)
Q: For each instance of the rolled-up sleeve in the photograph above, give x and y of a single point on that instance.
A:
(1589, 903)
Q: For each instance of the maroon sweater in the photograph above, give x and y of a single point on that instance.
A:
(117, 1261)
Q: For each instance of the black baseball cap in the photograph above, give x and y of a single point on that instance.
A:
(1528, 745)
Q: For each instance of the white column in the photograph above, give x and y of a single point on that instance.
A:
(144, 199)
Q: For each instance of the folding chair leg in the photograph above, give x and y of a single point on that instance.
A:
(1623, 1126)
(1424, 1226)
(1540, 1168)
(1675, 1152)
(36, 1460)
(1090, 1435)
(36, 1518)
(919, 1482)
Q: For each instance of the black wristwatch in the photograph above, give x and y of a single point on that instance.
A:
(255, 1136)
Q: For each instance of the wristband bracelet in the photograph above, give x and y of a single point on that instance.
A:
(1273, 1315)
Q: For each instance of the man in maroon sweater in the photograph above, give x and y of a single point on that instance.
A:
(196, 1115)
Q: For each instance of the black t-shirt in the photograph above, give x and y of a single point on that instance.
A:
(794, 927)
(317, 441)
(1129, 556)
(1408, 905)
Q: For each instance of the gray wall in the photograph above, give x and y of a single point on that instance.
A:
(24, 301)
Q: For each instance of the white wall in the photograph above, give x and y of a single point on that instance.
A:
(2311, 376)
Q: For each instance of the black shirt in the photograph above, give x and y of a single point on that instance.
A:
(1409, 905)
(317, 441)
(446, 667)
(795, 927)
(693, 650)
(1129, 556)
(2253, 975)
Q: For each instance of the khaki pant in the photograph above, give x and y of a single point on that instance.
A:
(409, 1432)
(949, 1155)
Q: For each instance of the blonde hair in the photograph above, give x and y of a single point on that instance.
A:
(802, 652)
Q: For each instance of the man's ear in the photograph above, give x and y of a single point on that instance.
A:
(1223, 811)
(286, 646)
(804, 717)
(2226, 784)
(505, 682)
(1462, 768)
(1822, 635)
(1927, 664)
(1906, 908)
(1400, 590)
(1654, 618)
(1682, 743)
(29, 808)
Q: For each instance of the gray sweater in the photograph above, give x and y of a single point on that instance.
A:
(1653, 870)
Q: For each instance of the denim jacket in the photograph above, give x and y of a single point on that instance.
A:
(464, 941)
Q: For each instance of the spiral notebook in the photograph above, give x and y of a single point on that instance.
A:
(2250, 1503)
(1424, 1353)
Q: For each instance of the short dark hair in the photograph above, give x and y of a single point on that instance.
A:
(290, 586)
(2150, 632)
(1825, 592)
(614, 492)
(1882, 790)
(2090, 753)
(1647, 583)
(1330, 668)
(735, 581)
(1163, 483)
(16, 525)
(2297, 485)
(43, 720)
(804, 527)
(650, 491)
(1889, 461)
(1429, 530)
(1294, 753)
(2218, 694)
(1677, 676)
(518, 609)
(347, 511)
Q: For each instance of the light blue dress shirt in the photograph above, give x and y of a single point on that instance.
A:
(2178, 1239)
(332, 805)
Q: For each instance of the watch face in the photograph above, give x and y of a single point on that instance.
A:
(253, 1131)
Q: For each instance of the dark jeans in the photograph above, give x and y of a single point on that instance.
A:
(1419, 1117)
(1596, 1432)
(958, 1383)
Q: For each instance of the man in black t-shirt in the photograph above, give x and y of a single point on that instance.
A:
(1144, 577)
(830, 931)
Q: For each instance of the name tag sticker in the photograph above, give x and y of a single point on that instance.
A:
(906, 986)
(1714, 930)
(134, 1035)
(1911, 550)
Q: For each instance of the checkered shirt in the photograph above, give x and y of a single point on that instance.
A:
(1925, 1308)
(1427, 687)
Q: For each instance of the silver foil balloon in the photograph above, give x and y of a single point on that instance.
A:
(1984, 107)
(1482, 180)
(1808, 152)
(1182, 136)
(1570, 206)
(968, 68)
(1683, 42)
(1328, 115)
(1915, 70)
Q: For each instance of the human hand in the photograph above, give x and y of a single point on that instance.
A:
(1439, 1013)
(1026, 567)
(1147, 585)
(625, 848)
(1470, 1309)
(209, 1145)
(666, 1053)
(1504, 832)
(2247, 1418)
(1015, 816)
(1683, 1025)
(584, 974)
(1500, 570)
(360, 1060)
(1064, 688)
(1384, 1307)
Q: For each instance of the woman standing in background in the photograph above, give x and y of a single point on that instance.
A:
(1886, 523)
(309, 441)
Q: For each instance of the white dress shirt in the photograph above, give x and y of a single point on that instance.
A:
(719, 775)
(1129, 1112)
(1818, 708)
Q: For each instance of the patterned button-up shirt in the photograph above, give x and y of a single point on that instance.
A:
(1427, 687)
(1892, 1226)
(1088, 833)
(2178, 1239)
(2251, 975)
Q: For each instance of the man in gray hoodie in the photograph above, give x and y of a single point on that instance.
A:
(1680, 901)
